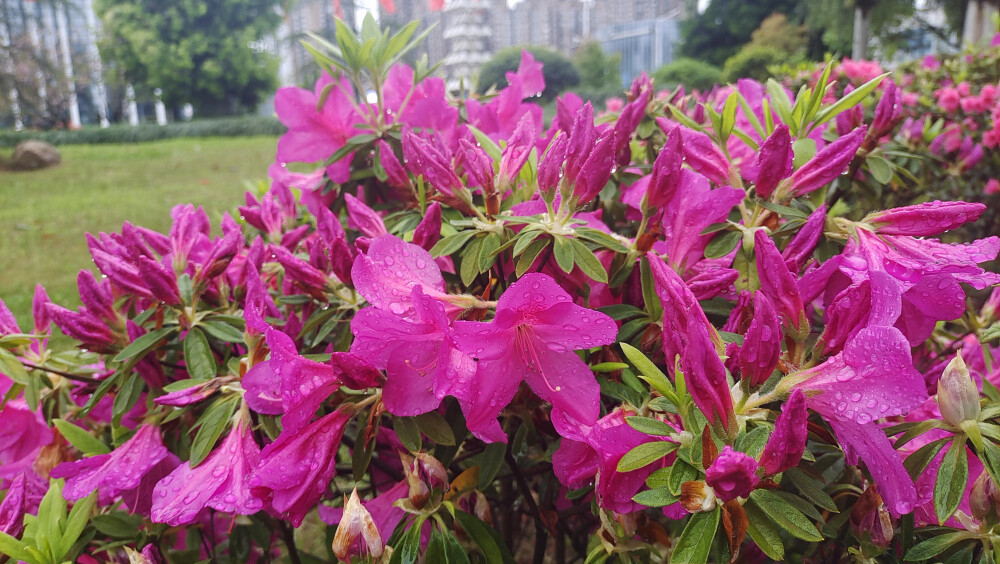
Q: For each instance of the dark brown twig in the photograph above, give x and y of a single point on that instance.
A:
(67, 375)
(541, 533)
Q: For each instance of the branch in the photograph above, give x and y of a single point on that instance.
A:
(541, 533)
(67, 375)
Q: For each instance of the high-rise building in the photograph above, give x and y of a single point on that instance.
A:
(297, 66)
(51, 64)
(643, 31)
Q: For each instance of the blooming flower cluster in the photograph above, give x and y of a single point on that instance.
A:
(470, 334)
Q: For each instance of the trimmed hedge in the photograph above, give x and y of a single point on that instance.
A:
(222, 127)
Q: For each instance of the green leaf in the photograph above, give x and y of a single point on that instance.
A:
(75, 523)
(696, 541)
(752, 442)
(527, 258)
(681, 472)
(435, 547)
(991, 333)
(198, 357)
(786, 515)
(763, 533)
(951, 479)
(141, 346)
(490, 462)
(436, 428)
(729, 116)
(211, 425)
(811, 488)
(657, 497)
(722, 245)
(12, 367)
(784, 211)
(485, 537)
(588, 262)
(470, 261)
(647, 370)
(918, 461)
(222, 331)
(650, 426)
(118, 524)
(621, 312)
(488, 251)
(848, 101)
(564, 254)
(408, 432)
(451, 243)
(81, 439)
(486, 144)
(880, 168)
(127, 396)
(10, 546)
(802, 150)
(645, 454)
(936, 545)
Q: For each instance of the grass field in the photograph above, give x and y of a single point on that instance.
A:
(44, 214)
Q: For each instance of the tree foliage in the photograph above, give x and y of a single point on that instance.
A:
(726, 25)
(560, 73)
(600, 76)
(196, 51)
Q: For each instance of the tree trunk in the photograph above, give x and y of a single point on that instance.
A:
(862, 28)
(979, 27)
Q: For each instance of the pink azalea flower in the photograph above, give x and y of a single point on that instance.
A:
(532, 338)
(113, 473)
(23, 433)
(219, 482)
(871, 379)
(12, 508)
(295, 470)
(315, 135)
(589, 452)
(788, 441)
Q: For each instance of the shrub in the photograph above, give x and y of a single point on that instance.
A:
(689, 73)
(752, 62)
(682, 333)
(119, 133)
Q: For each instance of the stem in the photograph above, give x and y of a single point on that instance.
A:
(67, 375)
(541, 535)
(288, 535)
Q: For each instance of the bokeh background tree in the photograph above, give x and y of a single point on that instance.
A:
(195, 51)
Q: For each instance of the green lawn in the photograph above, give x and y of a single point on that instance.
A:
(44, 214)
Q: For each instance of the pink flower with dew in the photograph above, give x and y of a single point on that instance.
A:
(532, 338)
(219, 482)
(113, 473)
(591, 454)
(295, 470)
(871, 379)
(315, 135)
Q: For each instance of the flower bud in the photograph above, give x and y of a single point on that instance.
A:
(425, 476)
(733, 474)
(357, 525)
(983, 497)
(958, 396)
(12, 508)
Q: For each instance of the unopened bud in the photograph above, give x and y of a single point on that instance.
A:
(424, 473)
(357, 524)
(958, 396)
(983, 497)
(697, 497)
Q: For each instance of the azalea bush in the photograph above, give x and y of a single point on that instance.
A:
(450, 332)
(946, 146)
